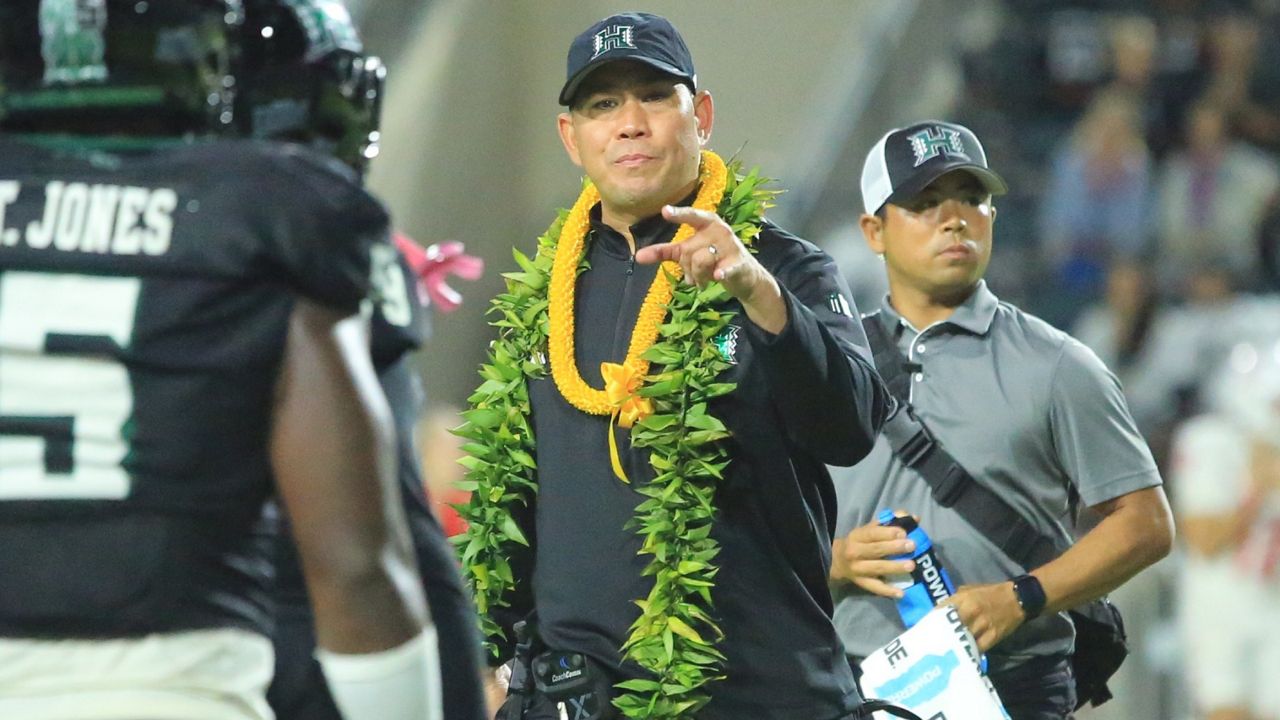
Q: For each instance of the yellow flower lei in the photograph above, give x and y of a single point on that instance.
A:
(620, 398)
(622, 380)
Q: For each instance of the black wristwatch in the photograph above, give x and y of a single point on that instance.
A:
(1030, 595)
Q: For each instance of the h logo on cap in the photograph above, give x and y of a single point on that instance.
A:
(930, 143)
(613, 38)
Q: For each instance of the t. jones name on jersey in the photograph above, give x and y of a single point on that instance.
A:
(78, 217)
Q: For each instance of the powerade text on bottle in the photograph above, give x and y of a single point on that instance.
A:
(928, 584)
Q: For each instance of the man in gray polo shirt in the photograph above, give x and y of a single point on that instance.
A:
(1028, 411)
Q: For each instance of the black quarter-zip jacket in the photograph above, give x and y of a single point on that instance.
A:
(805, 397)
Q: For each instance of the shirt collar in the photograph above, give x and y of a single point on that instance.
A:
(647, 231)
(974, 315)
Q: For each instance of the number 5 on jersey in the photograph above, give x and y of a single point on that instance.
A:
(65, 397)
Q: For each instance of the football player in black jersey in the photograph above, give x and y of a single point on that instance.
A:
(180, 338)
(312, 85)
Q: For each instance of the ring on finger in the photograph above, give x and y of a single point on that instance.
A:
(712, 249)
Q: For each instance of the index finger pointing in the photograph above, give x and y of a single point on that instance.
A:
(662, 252)
(682, 215)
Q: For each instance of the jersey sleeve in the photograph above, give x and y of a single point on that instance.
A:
(329, 225)
(1210, 466)
(1096, 439)
(400, 321)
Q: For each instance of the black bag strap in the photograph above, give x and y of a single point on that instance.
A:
(866, 709)
(894, 369)
(951, 485)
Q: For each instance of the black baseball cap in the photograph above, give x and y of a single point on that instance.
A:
(643, 37)
(907, 159)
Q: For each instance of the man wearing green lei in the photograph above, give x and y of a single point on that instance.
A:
(647, 451)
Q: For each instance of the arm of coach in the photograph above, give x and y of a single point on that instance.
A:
(819, 366)
(802, 326)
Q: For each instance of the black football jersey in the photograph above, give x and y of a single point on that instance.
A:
(144, 303)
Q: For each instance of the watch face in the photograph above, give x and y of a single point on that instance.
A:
(1030, 595)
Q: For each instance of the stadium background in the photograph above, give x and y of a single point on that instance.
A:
(1101, 115)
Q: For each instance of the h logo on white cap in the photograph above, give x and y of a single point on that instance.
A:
(930, 143)
(613, 37)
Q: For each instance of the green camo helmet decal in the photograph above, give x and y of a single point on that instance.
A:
(72, 40)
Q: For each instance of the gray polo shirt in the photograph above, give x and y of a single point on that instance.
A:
(1029, 412)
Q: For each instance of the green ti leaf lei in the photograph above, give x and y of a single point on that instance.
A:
(674, 639)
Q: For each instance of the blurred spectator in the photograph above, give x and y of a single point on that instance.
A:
(1162, 353)
(440, 450)
(1118, 330)
(1140, 341)
(1133, 40)
(1076, 56)
(1226, 485)
(1269, 245)
(1136, 71)
(1212, 197)
(1244, 59)
(1095, 207)
(1210, 321)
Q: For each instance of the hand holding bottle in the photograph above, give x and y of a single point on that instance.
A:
(864, 558)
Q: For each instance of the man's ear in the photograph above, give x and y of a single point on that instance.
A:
(873, 232)
(564, 123)
(704, 111)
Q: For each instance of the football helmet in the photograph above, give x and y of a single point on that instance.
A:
(305, 78)
(97, 66)
(291, 70)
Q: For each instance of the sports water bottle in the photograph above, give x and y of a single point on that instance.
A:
(926, 585)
